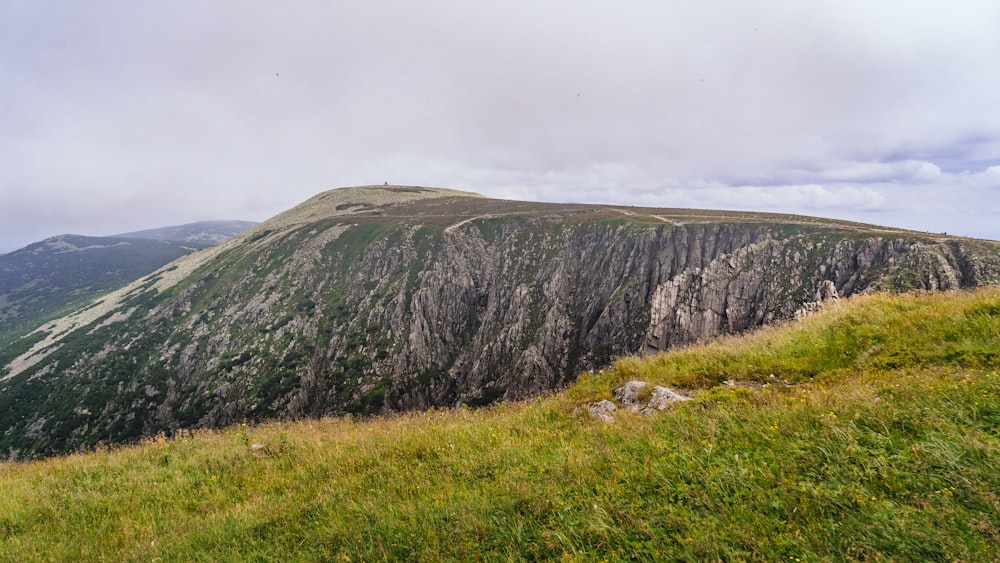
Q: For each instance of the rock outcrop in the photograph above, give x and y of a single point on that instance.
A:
(634, 396)
(369, 300)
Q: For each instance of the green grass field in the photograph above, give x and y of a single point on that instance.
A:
(876, 439)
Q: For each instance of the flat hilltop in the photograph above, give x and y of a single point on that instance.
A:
(449, 207)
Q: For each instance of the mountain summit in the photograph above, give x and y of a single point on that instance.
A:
(374, 299)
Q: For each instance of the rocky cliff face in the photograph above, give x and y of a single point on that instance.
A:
(369, 300)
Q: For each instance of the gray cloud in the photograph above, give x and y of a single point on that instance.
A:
(120, 115)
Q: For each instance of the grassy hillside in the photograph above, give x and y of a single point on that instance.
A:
(50, 278)
(877, 438)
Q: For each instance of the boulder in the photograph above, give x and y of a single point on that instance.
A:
(601, 409)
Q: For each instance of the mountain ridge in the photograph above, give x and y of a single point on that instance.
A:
(201, 232)
(374, 299)
(56, 274)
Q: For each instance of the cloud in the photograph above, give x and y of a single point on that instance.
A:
(807, 197)
(989, 178)
(175, 111)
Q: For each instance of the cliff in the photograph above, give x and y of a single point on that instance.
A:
(370, 300)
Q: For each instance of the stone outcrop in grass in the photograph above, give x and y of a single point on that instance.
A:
(634, 396)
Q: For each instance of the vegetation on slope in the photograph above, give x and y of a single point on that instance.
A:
(50, 278)
(883, 445)
(372, 300)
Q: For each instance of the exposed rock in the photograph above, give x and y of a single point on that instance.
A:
(372, 300)
(635, 396)
(602, 410)
(662, 397)
(630, 395)
(826, 292)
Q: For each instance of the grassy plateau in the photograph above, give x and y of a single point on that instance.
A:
(869, 431)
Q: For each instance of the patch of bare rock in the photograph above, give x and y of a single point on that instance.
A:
(634, 396)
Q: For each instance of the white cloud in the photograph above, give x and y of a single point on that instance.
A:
(989, 178)
(805, 198)
(174, 111)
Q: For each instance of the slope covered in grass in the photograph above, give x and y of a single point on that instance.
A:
(47, 279)
(883, 445)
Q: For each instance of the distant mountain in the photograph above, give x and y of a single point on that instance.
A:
(202, 232)
(377, 299)
(49, 277)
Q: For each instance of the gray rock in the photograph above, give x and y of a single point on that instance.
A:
(629, 395)
(603, 410)
(663, 397)
(633, 396)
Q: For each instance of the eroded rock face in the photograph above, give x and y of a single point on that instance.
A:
(433, 300)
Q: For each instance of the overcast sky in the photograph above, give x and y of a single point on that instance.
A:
(122, 115)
